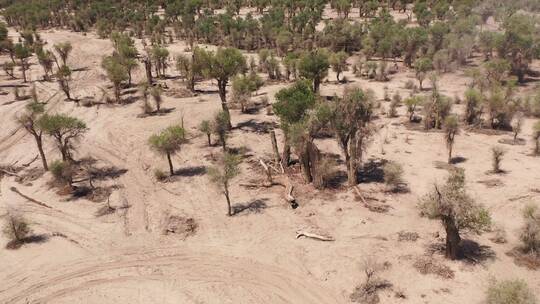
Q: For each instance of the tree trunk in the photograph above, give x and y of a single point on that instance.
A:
(148, 68)
(223, 142)
(277, 158)
(222, 86)
(453, 239)
(41, 152)
(23, 68)
(286, 155)
(350, 158)
(316, 84)
(171, 169)
(229, 209)
(450, 154)
(209, 139)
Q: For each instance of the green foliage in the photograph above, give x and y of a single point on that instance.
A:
(64, 129)
(412, 104)
(294, 102)
(451, 200)
(473, 106)
(220, 127)
(338, 61)
(63, 49)
(314, 66)
(62, 172)
(229, 169)
(510, 292)
(116, 72)
(168, 141)
(422, 66)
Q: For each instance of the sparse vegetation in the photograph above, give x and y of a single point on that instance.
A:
(457, 211)
(224, 173)
(510, 292)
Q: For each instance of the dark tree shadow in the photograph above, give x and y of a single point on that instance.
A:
(337, 180)
(104, 173)
(475, 253)
(372, 171)
(257, 127)
(256, 206)
(35, 238)
(191, 171)
(457, 160)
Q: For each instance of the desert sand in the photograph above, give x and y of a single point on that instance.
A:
(253, 256)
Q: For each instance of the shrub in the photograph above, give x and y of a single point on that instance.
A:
(160, 175)
(393, 175)
(497, 154)
(530, 233)
(15, 229)
(510, 292)
(62, 172)
(409, 85)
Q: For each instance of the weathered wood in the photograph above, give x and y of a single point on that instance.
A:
(277, 157)
(319, 237)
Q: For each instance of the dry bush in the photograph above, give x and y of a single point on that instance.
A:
(393, 176)
(530, 233)
(406, 236)
(179, 225)
(326, 171)
(15, 229)
(499, 235)
(62, 172)
(409, 85)
(427, 265)
(160, 175)
(367, 292)
(497, 154)
(509, 292)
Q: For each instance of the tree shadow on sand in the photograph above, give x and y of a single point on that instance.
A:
(256, 206)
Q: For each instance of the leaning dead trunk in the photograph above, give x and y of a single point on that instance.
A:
(350, 158)
(275, 146)
(39, 144)
(226, 192)
(171, 169)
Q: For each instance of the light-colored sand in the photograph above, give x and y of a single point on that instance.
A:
(252, 257)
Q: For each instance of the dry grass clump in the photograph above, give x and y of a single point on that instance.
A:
(16, 229)
(528, 254)
(510, 292)
(179, 225)
(407, 236)
(368, 291)
(497, 154)
(393, 176)
(427, 265)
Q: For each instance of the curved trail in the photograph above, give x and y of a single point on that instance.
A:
(188, 270)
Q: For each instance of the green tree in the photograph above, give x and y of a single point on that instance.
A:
(220, 127)
(451, 129)
(116, 72)
(63, 76)
(350, 120)
(422, 66)
(222, 66)
(159, 56)
(314, 66)
(291, 107)
(338, 61)
(23, 53)
(29, 121)
(65, 130)
(63, 49)
(457, 211)
(206, 127)
(46, 60)
(223, 174)
(168, 142)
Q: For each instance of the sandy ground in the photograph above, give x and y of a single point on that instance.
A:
(252, 257)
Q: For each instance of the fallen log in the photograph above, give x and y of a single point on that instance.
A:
(315, 236)
(9, 173)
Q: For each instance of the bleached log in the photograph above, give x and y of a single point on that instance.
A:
(319, 237)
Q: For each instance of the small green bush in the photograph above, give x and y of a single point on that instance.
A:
(510, 292)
